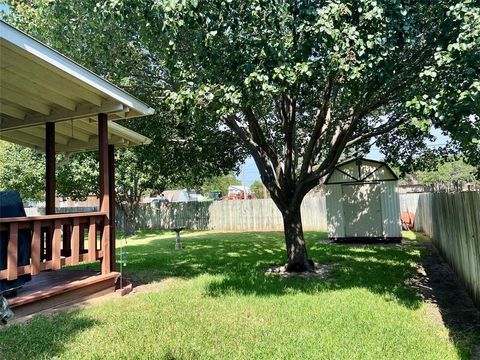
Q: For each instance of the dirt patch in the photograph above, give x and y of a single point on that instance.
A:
(451, 304)
(320, 271)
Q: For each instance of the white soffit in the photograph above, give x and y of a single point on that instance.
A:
(38, 85)
(74, 136)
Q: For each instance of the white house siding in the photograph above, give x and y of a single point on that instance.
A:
(335, 221)
(390, 209)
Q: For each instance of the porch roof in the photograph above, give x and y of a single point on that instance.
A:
(40, 85)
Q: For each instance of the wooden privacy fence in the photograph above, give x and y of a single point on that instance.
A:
(239, 215)
(452, 221)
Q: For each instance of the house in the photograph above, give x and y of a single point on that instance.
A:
(363, 202)
(180, 195)
(238, 192)
(52, 104)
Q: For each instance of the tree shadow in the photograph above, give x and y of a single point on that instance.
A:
(50, 334)
(241, 264)
(439, 285)
(240, 261)
(380, 270)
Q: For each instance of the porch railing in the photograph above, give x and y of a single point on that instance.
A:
(56, 240)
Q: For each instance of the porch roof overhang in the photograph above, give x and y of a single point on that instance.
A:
(40, 85)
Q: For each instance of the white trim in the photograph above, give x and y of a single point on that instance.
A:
(47, 54)
(127, 133)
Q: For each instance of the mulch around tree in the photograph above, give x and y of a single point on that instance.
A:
(321, 271)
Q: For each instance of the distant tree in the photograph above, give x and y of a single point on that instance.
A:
(182, 152)
(219, 183)
(258, 189)
(20, 171)
(448, 175)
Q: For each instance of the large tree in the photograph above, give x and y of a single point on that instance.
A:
(303, 82)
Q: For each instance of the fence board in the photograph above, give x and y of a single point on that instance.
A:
(238, 215)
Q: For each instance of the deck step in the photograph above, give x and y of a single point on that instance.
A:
(62, 293)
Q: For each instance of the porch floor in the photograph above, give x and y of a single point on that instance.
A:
(58, 287)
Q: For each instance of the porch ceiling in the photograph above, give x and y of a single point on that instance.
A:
(39, 85)
(74, 136)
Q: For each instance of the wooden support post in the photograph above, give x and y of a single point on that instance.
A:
(49, 183)
(104, 189)
(111, 178)
(50, 168)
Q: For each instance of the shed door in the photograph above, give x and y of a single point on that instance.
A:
(362, 209)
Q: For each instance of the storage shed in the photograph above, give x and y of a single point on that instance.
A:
(363, 202)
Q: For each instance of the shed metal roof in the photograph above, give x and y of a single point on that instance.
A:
(39, 85)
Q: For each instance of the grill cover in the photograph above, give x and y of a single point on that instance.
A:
(11, 205)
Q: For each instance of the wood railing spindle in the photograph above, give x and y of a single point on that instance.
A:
(36, 247)
(12, 249)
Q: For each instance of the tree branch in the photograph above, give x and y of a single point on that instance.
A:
(288, 110)
(379, 130)
(322, 120)
(261, 158)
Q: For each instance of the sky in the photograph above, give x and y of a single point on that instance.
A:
(249, 173)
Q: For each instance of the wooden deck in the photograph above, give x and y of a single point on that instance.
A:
(53, 288)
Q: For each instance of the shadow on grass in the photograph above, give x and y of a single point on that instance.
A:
(242, 258)
(441, 286)
(51, 336)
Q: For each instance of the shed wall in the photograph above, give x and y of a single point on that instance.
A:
(390, 201)
(335, 217)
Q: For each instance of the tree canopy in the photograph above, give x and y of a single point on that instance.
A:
(302, 83)
(19, 171)
(182, 152)
(452, 174)
(258, 189)
(219, 183)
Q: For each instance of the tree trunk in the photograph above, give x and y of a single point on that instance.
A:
(296, 250)
(129, 227)
(130, 218)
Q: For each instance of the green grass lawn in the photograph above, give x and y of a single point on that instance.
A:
(216, 302)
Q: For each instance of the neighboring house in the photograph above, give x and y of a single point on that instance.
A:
(90, 201)
(238, 192)
(182, 195)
